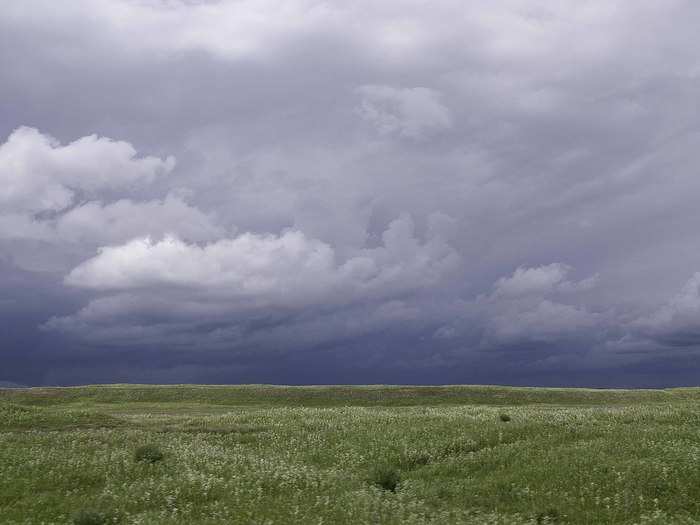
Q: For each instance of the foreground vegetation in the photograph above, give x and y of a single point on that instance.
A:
(327, 455)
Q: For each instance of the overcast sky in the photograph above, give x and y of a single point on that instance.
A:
(309, 191)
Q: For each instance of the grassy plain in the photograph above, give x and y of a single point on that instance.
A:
(349, 455)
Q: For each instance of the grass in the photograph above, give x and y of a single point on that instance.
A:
(345, 455)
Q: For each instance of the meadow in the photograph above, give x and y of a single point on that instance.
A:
(257, 454)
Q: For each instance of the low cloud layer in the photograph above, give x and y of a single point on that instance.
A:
(327, 192)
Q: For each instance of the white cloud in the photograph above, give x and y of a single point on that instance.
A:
(246, 266)
(521, 310)
(45, 219)
(543, 321)
(170, 281)
(540, 280)
(38, 174)
(287, 269)
(407, 112)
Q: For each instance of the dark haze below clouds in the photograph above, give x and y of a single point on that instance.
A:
(321, 192)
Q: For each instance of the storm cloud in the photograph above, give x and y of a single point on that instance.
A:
(311, 191)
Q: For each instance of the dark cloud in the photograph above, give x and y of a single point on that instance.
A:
(323, 192)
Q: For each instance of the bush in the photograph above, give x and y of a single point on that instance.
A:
(504, 417)
(92, 517)
(148, 454)
(385, 477)
(551, 515)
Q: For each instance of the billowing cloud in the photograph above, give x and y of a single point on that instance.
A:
(541, 322)
(48, 195)
(532, 307)
(38, 174)
(249, 273)
(289, 267)
(521, 310)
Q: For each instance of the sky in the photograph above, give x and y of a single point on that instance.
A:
(319, 192)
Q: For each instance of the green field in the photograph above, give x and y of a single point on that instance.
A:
(349, 455)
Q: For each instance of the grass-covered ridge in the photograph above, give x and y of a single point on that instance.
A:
(374, 395)
(394, 455)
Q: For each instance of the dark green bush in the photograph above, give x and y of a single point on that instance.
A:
(93, 517)
(148, 454)
(551, 515)
(385, 477)
(504, 417)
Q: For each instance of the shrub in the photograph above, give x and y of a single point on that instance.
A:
(504, 417)
(385, 477)
(92, 517)
(148, 454)
(551, 515)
